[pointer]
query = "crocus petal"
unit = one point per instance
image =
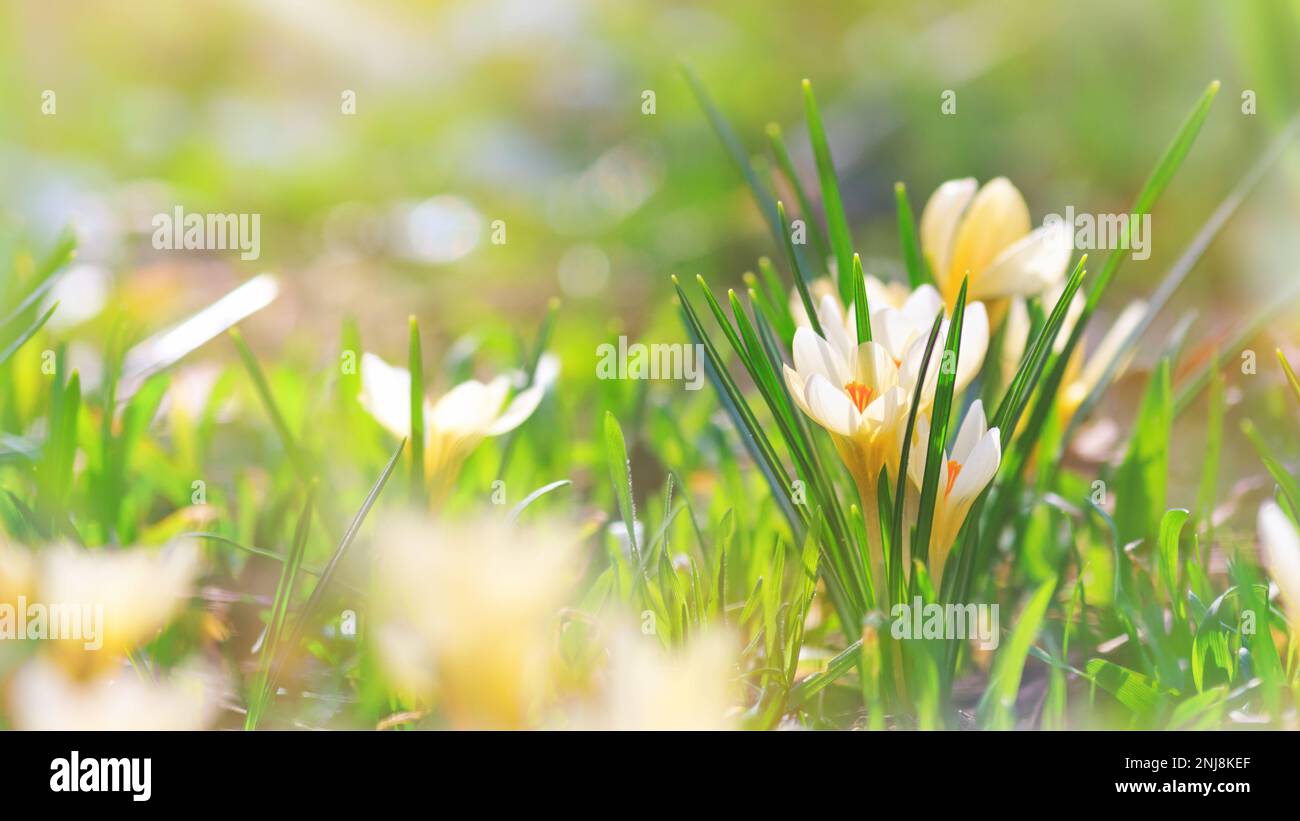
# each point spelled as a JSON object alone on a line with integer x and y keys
{"x": 972, "y": 429}
{"x": 832, "y": 322}
{"x": 469, "y": 408}
{"x": 1280, "y": 540}
{"x": 974, "y": 343}
{"x": 519, "y": 409}
{"x": 979, "y": 468}
{"x": 1028, "y": 266}
{"x": 939, "y": 220}
{"x": 1111, "y": 343}
{"x": 795, "y": 385}
{"x": 1015, "y": 338}
{"x": 891, "y": 328}
{"x": 882, "y": 295}
{"x": 831, "y": 407}
{"x": 386, "y": 394}
{"x": 876, "y": 368}
{"x": 997, "y": 217}
{"x": 812, "y": 354}
{"x": 923, "y": 305}
{"x": 889, "y": 409}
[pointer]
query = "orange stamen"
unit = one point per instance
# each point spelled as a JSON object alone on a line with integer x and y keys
{"x": 954, "y": 467}
{"x": 860, "y": 394}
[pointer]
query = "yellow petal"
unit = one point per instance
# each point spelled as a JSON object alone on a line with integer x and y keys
{"x": 939, "y": 221}
{"x": 997, "y": 217}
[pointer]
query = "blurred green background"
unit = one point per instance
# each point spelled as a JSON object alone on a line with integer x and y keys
{"x": 531, "y": 112}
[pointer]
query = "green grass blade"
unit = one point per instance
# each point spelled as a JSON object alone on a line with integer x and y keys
{"x": 762, "y": 196}
{"x": 1140, "y": 484}
{"x": 997, "y": 707}
{"x": 820, "y": 246}
{"x": 917, "y": 272}
{"x": 939, "y": 420}
{"x": 800, "y": 282}
{"x": 837, "y": 224}
{"x": 261, "y": 693}
{"x": 861, "y": 309}
{"x": 415, "y": 364}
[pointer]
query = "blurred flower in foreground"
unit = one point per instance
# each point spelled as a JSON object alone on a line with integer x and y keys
{"x": 42, "y": 696}
{"x": 108, "y": 603}
{"x": 139, "y": 589}
{"x": 465, "y": 614}
{"x": 984, "y": 233}
{"x": 454, "y": 425}
{"x": 1279, "y": 539}
{"x": 646, "y": 687}
{"x": 17, "y": 572}
{"x": 976, "y": 454}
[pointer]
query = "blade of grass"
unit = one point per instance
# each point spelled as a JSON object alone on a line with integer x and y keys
{"x": 261, "y": 693}
{"x": 837, "y": 224}
{"x": 917, "y": 272}
{"x": 819, "y": 243}
{"x": 940, "y": 414}
{"x": 415, "y": 365}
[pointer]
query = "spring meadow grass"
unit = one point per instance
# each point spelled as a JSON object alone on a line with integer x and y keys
{"x": 834, "y": 495}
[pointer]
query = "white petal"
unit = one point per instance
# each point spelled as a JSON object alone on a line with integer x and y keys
{"x": 997, "y": 218}
{"x": 974, "y": 343}
{"x": 386, "y": 394}
{"x": 923, "y": 305}
{"x": 1280, "y": 541}
{"x": 812, "y": 354}
{"x": 895, "y": 331}
{"x": 889, "y": 409}
{"x": 470, "y": 407}
{"x": 876, "y": 368}
{"x": 972, "y": 429}
{"x": 978, "y": 470}
{"x": 831, "y": 407}
{"x": 1110, "y": 345}
{"x": 833, "y": 326}
{"x": 939, "y": 220}
{"x": 1030, "y": 266}
{"x": 880, "y": 295}
{"x": 519, "y": 409}
{"x": 1015, "y": 338}
{"x": 795, "y": 385}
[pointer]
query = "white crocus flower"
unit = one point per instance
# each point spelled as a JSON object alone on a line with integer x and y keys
{"x": 137, "y": 590}
{"x": 861, "y": 393}
{"x": 647, "y": 687}
{"x": 901, "y": 322}
{"x": 455, "y": 424}
{"x": 984, "y": 233}
{"x": 976, "y": 454}
{"x": 853, "y": 391}
{"x": 1280, "y": 542}
{"x": 42, "y": 696}
{"x": 465, "y": 613}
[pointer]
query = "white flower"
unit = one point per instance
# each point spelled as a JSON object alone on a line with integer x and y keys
{"x": 42, "y": 696}
{"x": 455, "y": 424}
{"x": 646, "y": 687}
{"x": 984, "y": 233}
{"x": 465, "y": 613}
{"x": 1280, "y": 540}
{"x": 976, "y": 454}
{"x": 861, "y": 393}
{"x": 901, "y": 322}
{"x": 139, "y": 590}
